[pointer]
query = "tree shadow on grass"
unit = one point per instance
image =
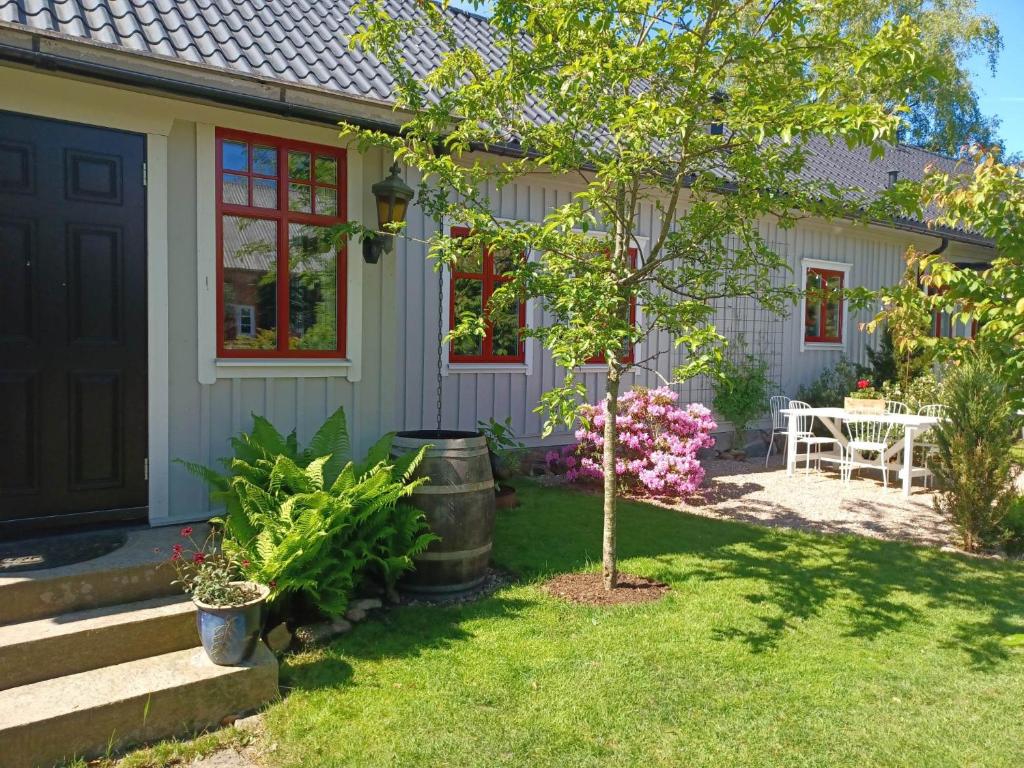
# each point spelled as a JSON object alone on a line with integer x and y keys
{"x": 402, "y": 632}
{"x": 789, "y": 577}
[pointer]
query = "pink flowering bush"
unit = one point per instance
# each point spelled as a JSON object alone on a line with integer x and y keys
{"x": 658, "y": 443}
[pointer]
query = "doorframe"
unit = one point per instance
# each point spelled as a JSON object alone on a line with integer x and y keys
{"x": 158, "y": 325}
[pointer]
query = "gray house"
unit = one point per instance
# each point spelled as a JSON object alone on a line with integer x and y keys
{"x": 165, "y": 169}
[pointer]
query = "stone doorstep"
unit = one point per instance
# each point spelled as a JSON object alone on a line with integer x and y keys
{"x": 130, "y": 574}
{"x": 77, "y": 642}
{"x": 84, "y": 714}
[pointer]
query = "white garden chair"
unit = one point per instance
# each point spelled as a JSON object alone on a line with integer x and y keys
{"x": 776, "y": 403}
{"x": 805, "y": 436}
{"x": 895, "y": 406}
{"x": 867, "y": 436}
{"x": 926, "y": 440}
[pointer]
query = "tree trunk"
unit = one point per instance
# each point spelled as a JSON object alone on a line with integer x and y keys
{"x": 610, "y": 567}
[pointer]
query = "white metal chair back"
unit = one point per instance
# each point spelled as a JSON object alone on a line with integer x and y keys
{"x": 804, "y": 422}
{"x": 865, "y": 431}
{"x": 926, "y": 438}
{"x": 776, "y": 403}
{"x": 935, "y": 411}
{"x": 895, "y": 406}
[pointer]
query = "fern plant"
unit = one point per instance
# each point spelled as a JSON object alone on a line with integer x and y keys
{"x": 312, "y": 523}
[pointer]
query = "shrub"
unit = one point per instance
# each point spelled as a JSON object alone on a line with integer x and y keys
{"x": 1012, "y": 527}
{"x": 310, "y": 522}
{"x": 831, "y": 388}
{"x": 972, "y": 462}
{"x": 741, "y": 394}
{"x": 921, "y": 390}
{"x": 658, "y": 441}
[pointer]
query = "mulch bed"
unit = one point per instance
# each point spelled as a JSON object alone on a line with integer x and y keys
{"x": 588, "y": 589}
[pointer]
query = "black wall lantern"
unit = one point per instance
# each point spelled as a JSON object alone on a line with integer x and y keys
{"x": 393, "y": 196}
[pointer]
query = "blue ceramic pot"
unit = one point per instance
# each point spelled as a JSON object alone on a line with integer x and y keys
{"x": 229, "y": 635}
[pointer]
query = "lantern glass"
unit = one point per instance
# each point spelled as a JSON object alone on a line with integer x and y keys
{"x": 384, "y": 206}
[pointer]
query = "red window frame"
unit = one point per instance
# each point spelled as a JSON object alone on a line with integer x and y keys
{"x": 627, "y": 358}
{"x": 283, "y": 217}
{"x": 821, "y": 337}
{"x": 490, "y": 281}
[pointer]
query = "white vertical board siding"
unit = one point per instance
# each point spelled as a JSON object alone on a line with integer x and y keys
{"x": 469, "y": 397}
{"x": 203, "y": 417}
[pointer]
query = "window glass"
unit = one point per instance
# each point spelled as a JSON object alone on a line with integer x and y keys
{"x": 264, "y": 161}
{"x": 298, "y": 198}
{"x": 250, "y": 279}
{"x": 468, "y": 296}
{"x": 313, "y": 288}
{"x": 235, "y": 189}
{"x": 298, "y": 165}
{"x": 235, "y": 156}
{"x": 505, "y": 330}
{"x": 326, "y": 170}
{"x": 264, "y": 193}
{"x": 326, "y": 201}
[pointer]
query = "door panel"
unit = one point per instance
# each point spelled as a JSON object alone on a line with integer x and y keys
{"x": 72, "y": 322}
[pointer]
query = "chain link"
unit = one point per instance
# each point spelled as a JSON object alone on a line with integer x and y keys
{"x": 440, "y": 338}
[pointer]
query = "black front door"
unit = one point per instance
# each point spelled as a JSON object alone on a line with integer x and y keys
{"x": 72, "y": 323}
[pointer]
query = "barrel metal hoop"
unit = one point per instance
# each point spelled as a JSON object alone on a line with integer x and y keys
{"x": 448, "y": 490}
{"x": 462, "y": 554}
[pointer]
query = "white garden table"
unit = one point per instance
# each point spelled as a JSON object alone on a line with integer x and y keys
{"x": 832, "y": 418}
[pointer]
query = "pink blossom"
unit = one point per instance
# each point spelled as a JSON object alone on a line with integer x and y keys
{"x": 658, "y": 442}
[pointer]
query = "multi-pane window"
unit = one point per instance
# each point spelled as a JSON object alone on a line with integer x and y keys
{"x": 627, "y": 354}
{"x": 281, "y": 271}
{"x": 823, "y": 315}
{"x": 475, "y": 278}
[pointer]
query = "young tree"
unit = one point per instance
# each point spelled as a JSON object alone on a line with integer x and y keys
{"x": 696, "y": 112}
{"x": 986, "y": 197}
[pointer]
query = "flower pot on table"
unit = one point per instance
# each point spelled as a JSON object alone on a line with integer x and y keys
{"x": 864, "y": 405}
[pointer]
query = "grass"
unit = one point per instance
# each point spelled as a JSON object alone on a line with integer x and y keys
{"x": 1018, "y": 452}
{"x": 172, "y": 752}
{"x": 774, "y": 648}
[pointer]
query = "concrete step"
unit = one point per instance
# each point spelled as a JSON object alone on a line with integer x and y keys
{"x": 100, "y": 637}
{"x": 140, "y": 570}
{"x": 85, "y": 714}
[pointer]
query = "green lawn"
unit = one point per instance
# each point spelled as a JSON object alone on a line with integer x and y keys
{"x": 773, "y": 649}
{"x": 1018, "y": 452}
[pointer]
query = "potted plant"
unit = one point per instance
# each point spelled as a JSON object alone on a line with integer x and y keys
{"x": 505, "y": 452}
{"x": 229, "y": 609}
{"x": 865, "y": 399}
{"x": 741, "y": 396}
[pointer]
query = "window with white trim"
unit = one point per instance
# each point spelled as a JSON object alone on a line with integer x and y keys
{"x": 473, "y": 282}
{"x": 824, "y": 307}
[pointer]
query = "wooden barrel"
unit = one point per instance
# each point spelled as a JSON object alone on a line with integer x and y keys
{"x": 459, "y": 504}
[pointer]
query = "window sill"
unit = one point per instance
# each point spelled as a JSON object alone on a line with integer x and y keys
{"x": 452, "y": 368}
{"x": 262, "y": 368}
{"x": 823, "y": 345}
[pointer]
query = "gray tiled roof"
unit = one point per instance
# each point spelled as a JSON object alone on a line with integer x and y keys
{"x": 302, "y": 42}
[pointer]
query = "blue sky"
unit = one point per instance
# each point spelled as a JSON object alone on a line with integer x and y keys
{"x": 1003, "y": 95}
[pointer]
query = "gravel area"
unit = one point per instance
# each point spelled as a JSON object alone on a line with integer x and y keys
{"x": 820, "y": 501}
